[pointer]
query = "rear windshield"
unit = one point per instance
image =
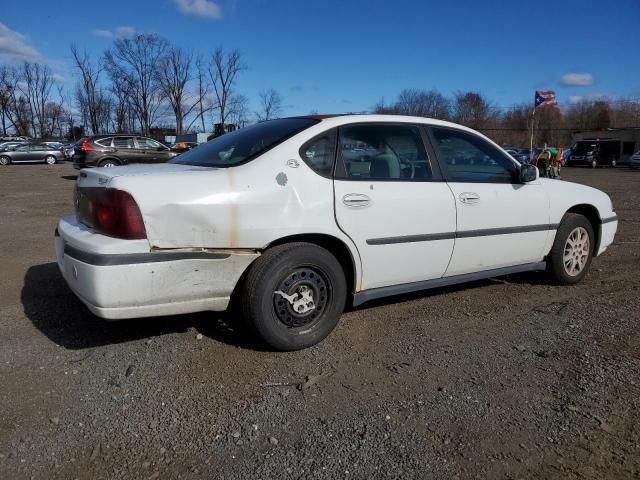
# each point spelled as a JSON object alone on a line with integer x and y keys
{"x": 245, "y": 144}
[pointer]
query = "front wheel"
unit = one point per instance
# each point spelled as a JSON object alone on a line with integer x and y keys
{"x": 4, "y": 160}
{"x": 613, "y": 162}
{"x": 294, "y": 295}
{"x": 50, "y": 160}
{"x": 572, "y": 249}
{"x": 594, "y": 163}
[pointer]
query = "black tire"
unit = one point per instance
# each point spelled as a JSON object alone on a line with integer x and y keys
{"x": 564, "y": 259}
{"x": 50, "y": 160}
{"x": 291, "y": 269}
{"x": 4, "y": 160}
{"x": 109, "y": 162}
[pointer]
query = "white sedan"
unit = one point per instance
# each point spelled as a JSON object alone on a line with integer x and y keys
{"x": 295, "y": 217}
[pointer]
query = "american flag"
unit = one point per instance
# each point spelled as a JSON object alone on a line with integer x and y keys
{"x": 544, "y": 98}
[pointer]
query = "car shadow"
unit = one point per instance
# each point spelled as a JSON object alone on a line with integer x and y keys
{"x": 55, "y": 310}
{"x": 69, "y": 177}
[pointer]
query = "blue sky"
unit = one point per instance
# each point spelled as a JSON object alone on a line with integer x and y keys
{"x": 336, "y": 56}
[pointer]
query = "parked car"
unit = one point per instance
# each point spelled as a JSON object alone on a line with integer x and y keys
{"x": 115, "y": 150}
{"x": 13, "y": 138}
{"x": 634, "y": 161}
{"x": 518, "y": 155}
{"x": 70, "y": 148}
{"x": 292, "y": 222}
{"x": 32, "y": 153}
{"x": 183, "y": 146}
{"x": 594, "y": 153}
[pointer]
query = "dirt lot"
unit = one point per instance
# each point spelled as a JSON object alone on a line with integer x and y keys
{"x": 505, "y": 378}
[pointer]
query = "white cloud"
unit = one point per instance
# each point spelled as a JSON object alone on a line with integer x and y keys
{"x": 577, "y": 79}
{"x": 199, "y": 8}
{"x": 124, "y": 31}
{"x": 14, "y": 47}
{"x": 587, "y": 98}
{"x": 103, "y": 33}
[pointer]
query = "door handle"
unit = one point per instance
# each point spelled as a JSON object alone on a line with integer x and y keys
{"x": 469, "y": 197}
{"x": 356, "y": 200}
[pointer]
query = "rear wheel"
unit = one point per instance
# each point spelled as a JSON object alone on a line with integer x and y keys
{"x": 108, "y": 163}
{"x": 294, "y": 295}
{"x": 50, "y": 160}
{"x": 572, "y": 249}
{"x": 4, "y": 160}
{"x": 613, "y": 162}
{"x": 594, "y": 163}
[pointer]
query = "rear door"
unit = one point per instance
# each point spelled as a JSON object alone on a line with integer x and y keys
{"x": 500, "y": 222}
{"x": 391, "y": 201}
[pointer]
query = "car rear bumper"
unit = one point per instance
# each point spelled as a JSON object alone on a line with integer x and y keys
{"x": 145, "y": 284}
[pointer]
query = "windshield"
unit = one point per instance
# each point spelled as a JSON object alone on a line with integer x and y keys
{"x": 581, "y": 148}
{"x": 245, "y": 144}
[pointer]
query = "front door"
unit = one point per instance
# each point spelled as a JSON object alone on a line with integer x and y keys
{"x": 391, "y": 201}
{"x": 152, "y": 150}
{"x": 500, "y": 221}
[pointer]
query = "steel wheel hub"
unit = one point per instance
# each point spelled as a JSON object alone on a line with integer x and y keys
{"x": 301, "y": 297}
{"x": 576, "y": 251}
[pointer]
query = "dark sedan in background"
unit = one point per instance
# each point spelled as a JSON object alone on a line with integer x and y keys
{"x": 32, "y": 153}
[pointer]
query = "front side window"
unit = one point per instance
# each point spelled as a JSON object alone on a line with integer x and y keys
{"x": 319, "y": 153}
{"x": 466, "y": 157}
{"x": 383, "y": 152}
{"x": 245, "y": 144}
{"x": 23, "y": 148}
{"x": 148, "y": 144}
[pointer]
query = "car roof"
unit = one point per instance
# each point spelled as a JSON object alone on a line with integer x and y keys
{"x": 343, "y": 119}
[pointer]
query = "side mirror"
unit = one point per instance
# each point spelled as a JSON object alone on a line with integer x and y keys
{"x": 528, "y": 173}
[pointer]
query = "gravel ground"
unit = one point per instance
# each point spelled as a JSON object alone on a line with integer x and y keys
{"x": 504, "y": 378}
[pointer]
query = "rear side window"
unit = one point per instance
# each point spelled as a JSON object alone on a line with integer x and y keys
{"x": 105, "y": 142}
{"x": 320, "y": 152}
{"x": 383, "y": 152}
{"x": 122, "y": 143}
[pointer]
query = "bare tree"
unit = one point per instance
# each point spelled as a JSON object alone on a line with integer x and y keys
{"x": 173, "y": 76}
{"x": 135, "y": 61}
{"x": 270, "y": 105}
{"x": 472, "y": 109}
{"x": 8, "y": 89}
{"x": 421, "y": 103}
{"x": 239, "y": 110}
{"x": 90, "y": 92}
{"x": 36, "y": 84}
{"x": 223, "y": 73}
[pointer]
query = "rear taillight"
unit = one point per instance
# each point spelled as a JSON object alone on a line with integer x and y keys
{"x": 85, "y": 145}
{"x": 111, "y": 212}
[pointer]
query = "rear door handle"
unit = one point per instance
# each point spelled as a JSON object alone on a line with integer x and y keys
{"x": 469, "y": 197}
{"x": 356, "y": 200}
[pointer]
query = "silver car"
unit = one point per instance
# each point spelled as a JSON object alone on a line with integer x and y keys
{"x": 32, "y": 153}
{"x": 634, "y": 161}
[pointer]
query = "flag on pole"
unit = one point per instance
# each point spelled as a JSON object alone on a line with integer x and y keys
{"x": 544, "y": 98}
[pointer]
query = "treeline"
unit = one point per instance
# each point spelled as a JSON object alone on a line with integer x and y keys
{"x": 139, "y": 83}
{"x": 144, "y": 82}
{"x": 512, "y": 126}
